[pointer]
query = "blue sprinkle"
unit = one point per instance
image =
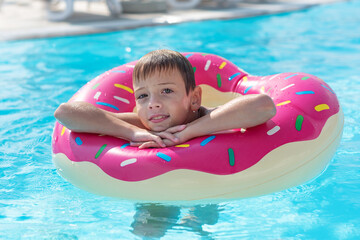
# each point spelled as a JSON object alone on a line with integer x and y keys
{"x": 125, "y": 145}
{"x": 119, "y": 71}
{"x": 327, "y": 88}
{"x": 163, "y": 156}
{"x": 189, "y": 55}
{"x": 246, "y": 90}
{"x": 207, "y": 140}
{"x": 78, "y": 141}
{"x": 305, "y": 92}
{"x": 291, "y": 76}
{"x": 233, "y": 76}
{"x": 108, "y": 105}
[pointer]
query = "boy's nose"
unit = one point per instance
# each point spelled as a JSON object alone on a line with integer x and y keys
{"x": 154, "y": 103}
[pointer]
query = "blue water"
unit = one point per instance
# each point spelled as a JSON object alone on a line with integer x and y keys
{"x": 37, "y": 75}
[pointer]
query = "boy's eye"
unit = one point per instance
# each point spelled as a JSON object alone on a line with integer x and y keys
{"x": 167, "y": 90}
{"x": 141, "y": 96}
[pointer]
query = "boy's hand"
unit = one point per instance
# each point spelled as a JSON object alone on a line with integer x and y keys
{"x": 169, "y": 137}
{"x": 142, "y": 136}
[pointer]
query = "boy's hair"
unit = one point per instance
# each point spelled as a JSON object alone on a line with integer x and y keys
{"x": 164, "y": 60}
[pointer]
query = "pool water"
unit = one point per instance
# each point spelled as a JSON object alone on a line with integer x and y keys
{"x": 37, "y": 75}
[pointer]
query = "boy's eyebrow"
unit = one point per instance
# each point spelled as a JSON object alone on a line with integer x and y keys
{"x": 165, "y": 83}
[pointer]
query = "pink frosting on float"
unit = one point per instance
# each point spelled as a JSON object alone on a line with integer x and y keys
{"x": 304, "y": 103}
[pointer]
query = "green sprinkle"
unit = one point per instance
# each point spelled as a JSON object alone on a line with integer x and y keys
{"x": 299, "y": 122}
{"x": 204, "y": 54}
{"x": 218, "y": 76}
{"x": 305, "y": 78}
{"x": 95, "y": 86}
{"x": 231, "y": 157}
{"x": 194, "y": 69}
{"x": 100, "y": 151}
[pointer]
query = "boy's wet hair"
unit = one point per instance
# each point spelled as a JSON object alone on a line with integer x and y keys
{"x": 162, "y": 61}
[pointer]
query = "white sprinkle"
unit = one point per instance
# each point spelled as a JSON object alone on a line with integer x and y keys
{"x": 274, "y": 76}
{"x": 127, "y": 162}
{"x": 97, "y": 95}
{"x": 273, "y": 130}
{"x": 287, "y": 87}
{"x": 207, "y": 65}
{"x": 130, "y": 66}
{"x": 122, "y": 99}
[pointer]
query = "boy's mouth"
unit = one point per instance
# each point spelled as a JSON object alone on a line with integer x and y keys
{"x": 158, "y": 118}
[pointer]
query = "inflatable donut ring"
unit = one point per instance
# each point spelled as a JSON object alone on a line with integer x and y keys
{"x": 293, "y": 147}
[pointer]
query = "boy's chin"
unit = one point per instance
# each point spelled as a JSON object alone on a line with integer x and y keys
{"x": 158, "y": 128}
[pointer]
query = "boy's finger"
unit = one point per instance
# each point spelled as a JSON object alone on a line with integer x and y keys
{"x": 167, "y": 135}
{"x": 149, "y": 145}
{"x": 175, "y": 129}
{"x": 159, "y": 141}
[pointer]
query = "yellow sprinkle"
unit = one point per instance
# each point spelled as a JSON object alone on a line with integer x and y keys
{"x": 222, "y": 65}
{"x": 262, "y": 89}
{"x": 183, "y": 145}
{"x": 63, "y": 130}
{"x": 244, "y": 79}
{"x": 283, "y": 103}
{"x": 321, "y": 107}
{"x": 124, "y": 87}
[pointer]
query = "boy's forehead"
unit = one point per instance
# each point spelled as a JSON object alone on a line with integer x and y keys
{"x": 164, "y": 77}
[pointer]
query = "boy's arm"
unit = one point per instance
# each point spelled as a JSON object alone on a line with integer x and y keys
{"x": 242, "y": 112}
{"x": 84, "y": 117}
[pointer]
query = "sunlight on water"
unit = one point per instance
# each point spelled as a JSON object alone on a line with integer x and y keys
{"x": 37, "y": 75}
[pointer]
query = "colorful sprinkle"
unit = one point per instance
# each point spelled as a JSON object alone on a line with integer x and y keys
{"x": 100, "y": 151}
{"x": 119, "y": 71}
{"x": 122, "y": 99}
{"x": 290, "y": 76}
{"x": 163, "y": 156}
{"x": 189, "y": 55}
{"x": 231, "y": 157}
{"x": 204, "y": 54}
{"x": 274, "y": 76}
{"x": 262, "y": 89}
{"x": 244, "y": 80}
{"x": 125, "y": 145}
{"x": 63, "y": 130}
{"x": 223, "y": 64}
{"x": 321, "y": 107}
{"x": 247, "y": 89}
{"x": 194, "y": 68}
{"x": 218, "y": 77}
{"x": 208, "y": 62}
{"x": 97, "y": 95}
{"x": 124, "y": 87}
{"x": 108, "y": 105}
{"x": 183, "y": 145}
{"x": 234, "y": 76}
{"x": 207, "y": 140}
{"x": 327, "y": 88}
{"x": 130, "y": 66}
{"x": 299, "y": 122}
{"x": 128, "y": 162}
{"x": 304, "y": 92}
{"x": 283, "y": 103}
{"x": 273, "y": 130}
{"x": 305, "y": 78}
{"x": 95, "y": 86}
{"x": 288, "y": 86}
{"x": 78, "y": 141}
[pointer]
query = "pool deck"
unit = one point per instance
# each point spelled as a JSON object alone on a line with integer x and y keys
{"x": 23, "y": 19}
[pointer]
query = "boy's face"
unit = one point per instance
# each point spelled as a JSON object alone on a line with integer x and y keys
{"x": 162, "y": 102}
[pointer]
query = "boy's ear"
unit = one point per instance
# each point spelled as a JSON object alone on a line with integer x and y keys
{"x": 196, "y": 99}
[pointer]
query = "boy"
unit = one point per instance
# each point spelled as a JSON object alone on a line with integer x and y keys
{"x": 168, "y": 104}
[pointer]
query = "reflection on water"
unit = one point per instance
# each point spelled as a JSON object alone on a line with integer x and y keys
{"x": 154, "y": 220}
